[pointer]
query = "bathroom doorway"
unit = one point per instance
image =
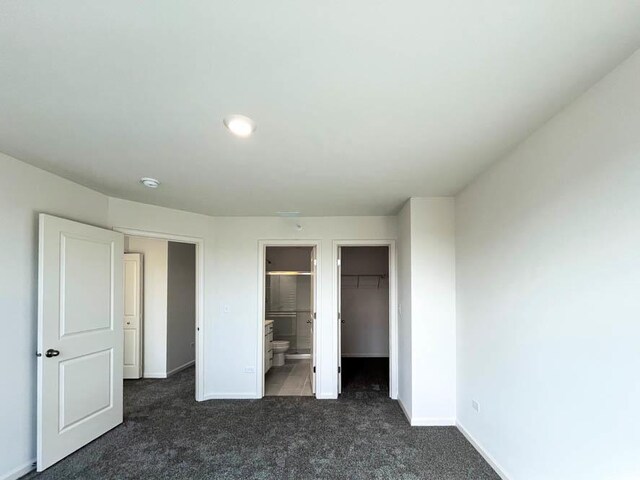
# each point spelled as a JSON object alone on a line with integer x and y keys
{"x": 289, "y": 293}
{"x": 366, "y": 318}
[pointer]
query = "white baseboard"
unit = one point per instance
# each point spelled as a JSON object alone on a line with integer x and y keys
{"x": 326, "y": 396}
{"x": 405, "y": 411}
{"x": 181, "y": 367}
{"x": 486, "y": 455}
{"x": 19, "y": 471}
{"x": 433, "y": 422}
{"x": 231, "y": 396}
{"x": 426, "y": 421}
{"x": 154, "y": 375}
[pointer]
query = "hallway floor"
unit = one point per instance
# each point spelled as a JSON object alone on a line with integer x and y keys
{"x": 364, "y": 435}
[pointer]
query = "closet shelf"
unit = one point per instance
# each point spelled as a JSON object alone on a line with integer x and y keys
{"x": 363, "y": 280}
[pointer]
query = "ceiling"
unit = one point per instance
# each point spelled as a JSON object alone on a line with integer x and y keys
{"x": 358, "y": 104}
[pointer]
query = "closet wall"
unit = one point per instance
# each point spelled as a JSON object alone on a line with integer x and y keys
{"x": 365, "y": 301}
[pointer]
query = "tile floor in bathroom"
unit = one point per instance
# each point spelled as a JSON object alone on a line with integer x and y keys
{"x": 291, "y": 379}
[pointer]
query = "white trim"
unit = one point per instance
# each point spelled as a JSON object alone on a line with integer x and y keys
{"x": 426, "y": 421}
{"x": 393, "y": 304}
{"x": 154, "y": 375}
{"x": 200, "y": 324}
{"x": 20, "y": 471}
{"x": 262, "y": 247}
{"x": 405, "y": 411}
{"x": 433, "y": 422}
{"x": 231, "y": 396}
{"x": 326, "y": 396}
{"x": 365, "y": 355}
{"x": 486, "y": 455}
{"x": 180, "y": 368}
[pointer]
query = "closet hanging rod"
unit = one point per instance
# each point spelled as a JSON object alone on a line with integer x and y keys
{"x": 288, "y": 272}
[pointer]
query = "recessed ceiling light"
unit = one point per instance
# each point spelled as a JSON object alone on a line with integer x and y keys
{"x": 149, "y": 182}
{"x": 240, "y": 125}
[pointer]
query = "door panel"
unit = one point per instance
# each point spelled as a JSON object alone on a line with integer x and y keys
{"x": 132, "y": 326}
{"x": 80, "y": 305}
{"x": 85, "y": 387}
{"x": 130, "y": 349}
{"x": 86, "y": 292}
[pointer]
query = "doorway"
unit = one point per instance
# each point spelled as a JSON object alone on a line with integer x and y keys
{"x": 288, "y": 299}
{"x": 160, "y": 307}
{"x": 366, "y": 317}
{"x": 171, "y": 303}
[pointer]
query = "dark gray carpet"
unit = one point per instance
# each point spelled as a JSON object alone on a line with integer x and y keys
{"x": 363, "y": 435}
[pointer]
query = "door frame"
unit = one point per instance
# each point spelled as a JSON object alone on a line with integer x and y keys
{"x": 393, "y": 306}
{"x": 200, "y": 324}
{"x": 262, "y": 271}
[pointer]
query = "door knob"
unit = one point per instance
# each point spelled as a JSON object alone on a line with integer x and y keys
{"x": 51, "y": 353}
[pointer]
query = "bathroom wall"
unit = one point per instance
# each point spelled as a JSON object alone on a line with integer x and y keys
{"x": 365, "y": 308}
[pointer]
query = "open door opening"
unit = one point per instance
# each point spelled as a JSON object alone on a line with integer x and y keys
{"x": 290, "y": 284}
{"x": 363, "y": 313}
{"x": 160, "y": 309}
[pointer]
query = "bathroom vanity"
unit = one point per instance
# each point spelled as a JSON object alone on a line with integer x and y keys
{"x": 268, "y": 345}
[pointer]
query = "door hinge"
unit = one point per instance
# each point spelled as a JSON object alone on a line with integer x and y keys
{"x": 339, "y": 316}
{"x": 314, "y": 315}
{"x": 339, "y": 369}
{"x": 314, "y": 369}
{"x": 338, "y": 262}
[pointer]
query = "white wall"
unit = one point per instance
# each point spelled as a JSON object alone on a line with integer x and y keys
{"x": 433, "y": 311}
{"x": 549, "y": 294}
{"x": 365, "y": 308}
{"x": 231, "y": 280}
{"x": 155, "y": 262}
{"x": 181, "y": 305}
{"x": 427, "y": 320}
{"x": 26, "y": 191}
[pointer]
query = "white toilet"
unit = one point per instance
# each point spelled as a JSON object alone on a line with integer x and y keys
{"x": 279, "y": 349}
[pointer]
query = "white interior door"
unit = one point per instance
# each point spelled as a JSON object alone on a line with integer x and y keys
{"x": 340, "y": 321}
{"x": 132, "y": 327}
{"x": 80, "y": 310}
{"x": 312, "y": 318}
